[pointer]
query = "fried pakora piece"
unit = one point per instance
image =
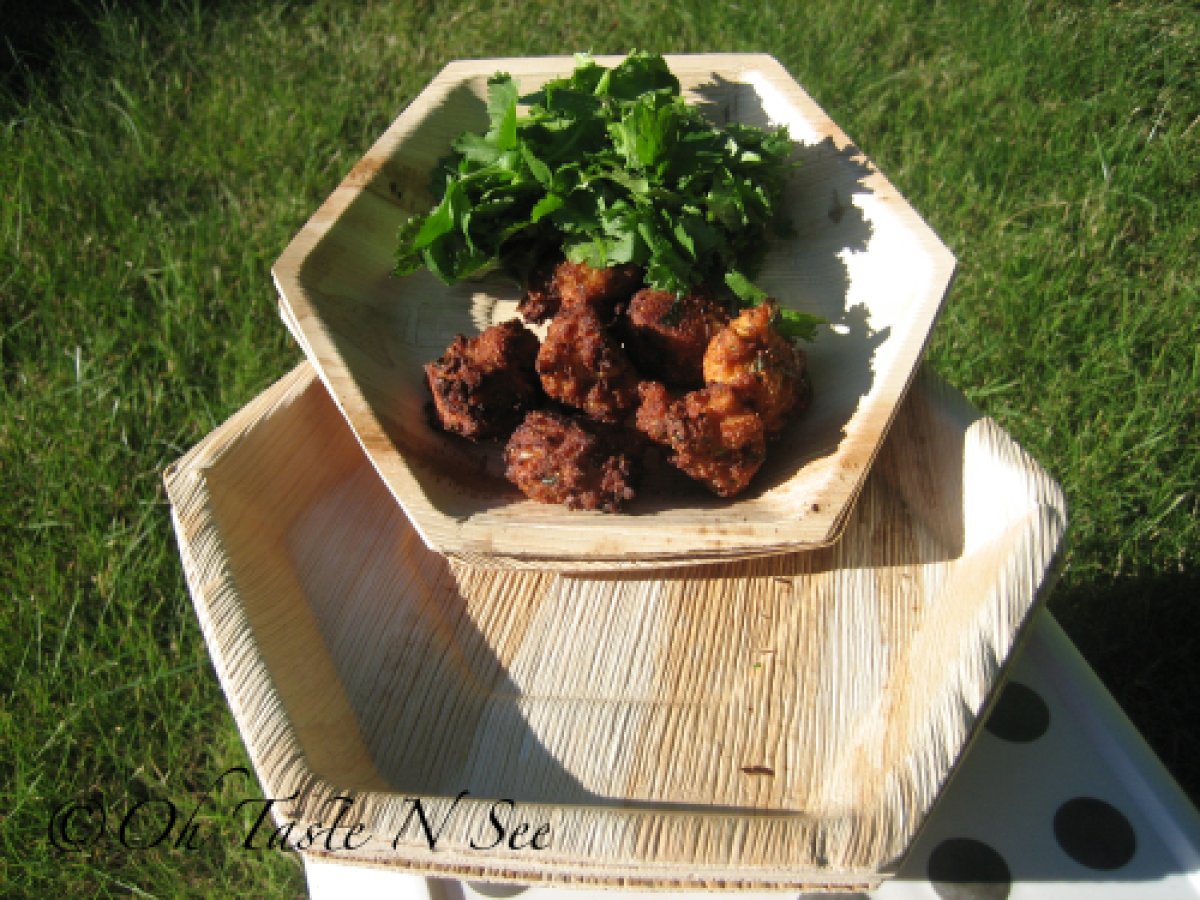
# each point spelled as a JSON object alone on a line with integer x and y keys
{"x": 583, "y": 365}
{"x": 713, "y": 436}
{"x": 562, "y": 284}
{"x": 668, "y": 334}
{"x": 554, "y": 458}
{"x": 766, "y": 369}
{"x": 541, "y": 299}
{"x": 483, "y": 386}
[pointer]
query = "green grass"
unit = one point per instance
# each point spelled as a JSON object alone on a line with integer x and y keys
{"x": 157, "y": 158}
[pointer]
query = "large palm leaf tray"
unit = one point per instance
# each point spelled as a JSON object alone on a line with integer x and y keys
{"x": 781, "y": 722}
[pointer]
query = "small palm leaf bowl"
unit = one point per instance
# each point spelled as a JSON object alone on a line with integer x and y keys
{"x": 859, "y": 256}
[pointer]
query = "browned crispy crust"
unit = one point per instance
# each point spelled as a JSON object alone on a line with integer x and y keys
{"x": 584, "y": 453}
{"x": 483, "y": 386}
{"x": 554, "y": 458}
{"x": 558, "y": 285}
{"x": 713, "y": 436}
{"x": 582, "y": 365}
{"x": 668, "y": 334}
{"x": 541, "y": 299}
{"x": 768, "y": 372}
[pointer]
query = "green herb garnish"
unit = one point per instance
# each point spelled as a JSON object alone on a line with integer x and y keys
{"x": 788, "y": 322}
{"x": 613, "y": 167}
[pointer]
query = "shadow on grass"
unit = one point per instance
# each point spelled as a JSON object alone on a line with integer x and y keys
{"x": 37, "y": 35}
{"x": 1141, "y": 634}
{"x": 37, "y": 31}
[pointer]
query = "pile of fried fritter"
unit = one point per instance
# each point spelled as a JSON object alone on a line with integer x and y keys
{"x": 623, "y": 370}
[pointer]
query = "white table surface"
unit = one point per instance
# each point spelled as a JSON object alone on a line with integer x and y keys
{"x": 1059, "y": 797}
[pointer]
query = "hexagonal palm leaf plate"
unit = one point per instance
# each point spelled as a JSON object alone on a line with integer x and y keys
{"x": 860, "y": 256}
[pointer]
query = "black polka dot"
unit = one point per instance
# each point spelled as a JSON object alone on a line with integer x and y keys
{"x": 1094, "y": 833}
{"x": 966, "y": 869}
{"x": 1020, "y": 714}
{"x": 492, "y": 889}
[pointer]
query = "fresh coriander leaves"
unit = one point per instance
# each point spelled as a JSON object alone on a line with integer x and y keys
{"x": 788, "y": 322}
{"x": 612, "y": 166}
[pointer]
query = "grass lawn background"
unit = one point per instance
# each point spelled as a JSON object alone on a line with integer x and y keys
{"x": 156, "y": 158}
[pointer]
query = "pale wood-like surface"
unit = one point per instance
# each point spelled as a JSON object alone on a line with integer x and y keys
{"x": 861, "y": 257}
{"x": 784, "y": 721}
